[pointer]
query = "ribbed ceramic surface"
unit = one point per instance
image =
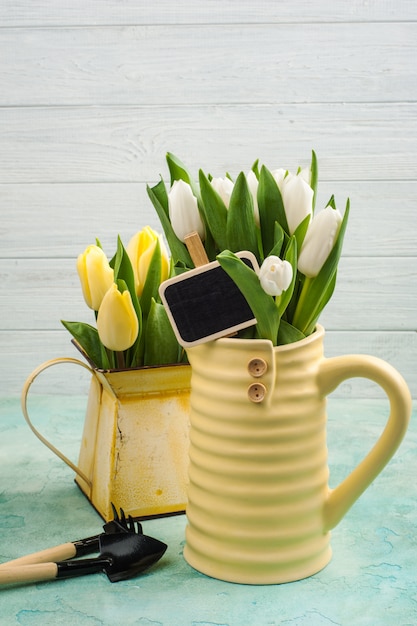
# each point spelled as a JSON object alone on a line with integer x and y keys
{"x": 258, "y": 470}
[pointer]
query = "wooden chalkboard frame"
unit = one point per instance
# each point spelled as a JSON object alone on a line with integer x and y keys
{"x": 206, "y": 299}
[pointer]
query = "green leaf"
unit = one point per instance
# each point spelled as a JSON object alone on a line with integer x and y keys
{"x": 271, "y": 209}
{"x": 121, "y": 285}
{"x": 262, "y": 305}
{"x": 288, "y": 334}
{"x": 134, "y": 355}
{"x": 178, "y": 171}
{"x": 178, "y": 250}
{"x": 255, "y": 168}
{"x": 209, "y": 243}
{"x": 241, "y": 227}
{"x": 153, "y": 280}
{"x": 88, "y": 338}
{"x": 121, "y": 264}
{"x": 279, "y": 240}
{"x": 301, "y": 231}
{"x": 215, "y": 211}
{"x": 123, "y": 271}
{"x": 161, "y": 346}
{"x": 327, "y": 294}
{"x": 290, "y": 256}
{"x": 161, "y": 194}
{"x": 332, "y": 202}
{"x": 179, "y": 268}
{"x": 314, "y": 169}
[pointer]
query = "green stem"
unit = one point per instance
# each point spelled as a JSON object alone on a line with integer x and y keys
{"x": 106, "y": 362}
{"x": 278, "y": 301}
{"x": 120, "y": 357}
{"x": 297, "y": 319}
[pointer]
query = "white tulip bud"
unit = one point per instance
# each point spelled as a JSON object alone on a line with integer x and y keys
{"x": 279, "y": 176}
{"x": 183, "y": 210}
{"x": 275, "y": 275}
{"x": 319, "y": 241}
{"x": 224, "y": 187}
{"x": 253, "y": 185}
{"x": 297, "y": 196}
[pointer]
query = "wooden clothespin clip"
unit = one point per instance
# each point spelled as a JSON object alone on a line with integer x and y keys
{"x": 196, "y": 249}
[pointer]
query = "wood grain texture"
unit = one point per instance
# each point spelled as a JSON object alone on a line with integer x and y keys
{"x": 93, "y": 12}
{"x": 134, "y": 65}
{"x": 67, "y": 217}
{"x": 94, "y": 93}
{"x": 128, "y": 144}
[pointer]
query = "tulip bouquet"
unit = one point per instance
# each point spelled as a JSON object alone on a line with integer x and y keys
{"x": 269, "y": 213}
{"x": 132, "y": 326}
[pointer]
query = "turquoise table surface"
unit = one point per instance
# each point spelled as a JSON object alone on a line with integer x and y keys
{"x": 372, "y": 578}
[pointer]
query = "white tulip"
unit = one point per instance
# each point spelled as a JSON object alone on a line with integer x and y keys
{"x": 224, "y": 188}
{"x": 253, "y": 185}
{"x": 297, "y": 195}
{"x": 183, "y": 210}
{"x": 319, "y": 241}
{"x": 275, "y": 275}
{"x": 279, "y": 176}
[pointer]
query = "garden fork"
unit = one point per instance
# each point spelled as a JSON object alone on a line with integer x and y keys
{"x": 71, "y": 549}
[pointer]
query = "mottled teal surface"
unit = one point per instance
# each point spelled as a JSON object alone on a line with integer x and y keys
{"x": 372, "y": 578}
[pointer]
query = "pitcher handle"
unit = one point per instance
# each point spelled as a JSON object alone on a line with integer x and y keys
{"x": 331, "y": 373}
{"x": 24, "y": 397}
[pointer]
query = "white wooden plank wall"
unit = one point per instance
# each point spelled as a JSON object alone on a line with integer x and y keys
{"x": 93, "y": 93}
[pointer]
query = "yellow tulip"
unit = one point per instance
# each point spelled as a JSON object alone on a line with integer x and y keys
{"x": 117, "y": 322}
{"x": 95, "y": 274}
{"x": 140, "y": 250}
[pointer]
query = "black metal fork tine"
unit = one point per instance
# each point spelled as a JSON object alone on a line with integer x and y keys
{"x": 123, "y": 518}
{"x": 115, "y": 513}
{"x": 127, "y": 524}
{"x": 134, "y": 527}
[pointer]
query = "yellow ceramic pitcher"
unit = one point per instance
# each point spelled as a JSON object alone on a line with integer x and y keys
{"x": 259, "y": 506}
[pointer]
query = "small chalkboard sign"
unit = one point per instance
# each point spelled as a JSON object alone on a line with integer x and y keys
{"x": 205, "y": 303}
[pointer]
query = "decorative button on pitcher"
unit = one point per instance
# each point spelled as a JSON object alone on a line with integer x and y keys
{"x": 259, "y": 506}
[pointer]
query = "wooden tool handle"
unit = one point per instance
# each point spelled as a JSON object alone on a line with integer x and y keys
{"x": 28, "y": 573}
{"x": 57, "y": 553}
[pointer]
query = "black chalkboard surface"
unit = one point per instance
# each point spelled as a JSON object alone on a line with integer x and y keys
{"x": 205, "y": 304}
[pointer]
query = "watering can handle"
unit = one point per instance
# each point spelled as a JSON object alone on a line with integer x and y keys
{"x": 332, "y": 372}
{"x": 24, "y": 397}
